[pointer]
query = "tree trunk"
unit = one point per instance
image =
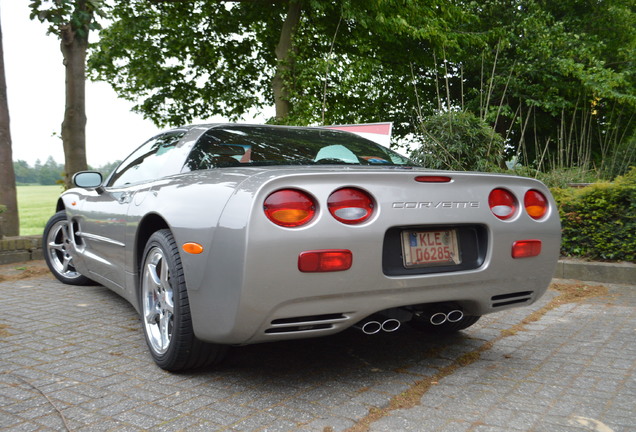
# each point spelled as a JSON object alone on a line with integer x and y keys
{"x": 74, "y": 125}
{"x": 285, "y": 60}
{"x": 9, "y": 221}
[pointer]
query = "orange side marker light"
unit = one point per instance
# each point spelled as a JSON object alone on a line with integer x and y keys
{"x": 192, "y": 248}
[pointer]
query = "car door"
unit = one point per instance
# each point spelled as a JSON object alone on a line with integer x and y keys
{"x": 105, "y": 214}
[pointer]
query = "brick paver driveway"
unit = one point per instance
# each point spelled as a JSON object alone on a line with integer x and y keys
{"x": 73, "y": 358}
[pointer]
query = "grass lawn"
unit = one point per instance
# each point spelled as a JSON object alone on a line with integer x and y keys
{"x": 36, "y": 204}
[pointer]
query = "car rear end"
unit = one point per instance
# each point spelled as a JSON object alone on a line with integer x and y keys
{"x": 322, "y": 249}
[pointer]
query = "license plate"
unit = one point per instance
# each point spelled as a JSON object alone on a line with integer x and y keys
{"x": 430, "y": 248}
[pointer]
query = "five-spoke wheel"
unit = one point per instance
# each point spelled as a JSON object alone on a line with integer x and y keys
{"x": 57, "y": 243}
{"x": 158, "y": 303}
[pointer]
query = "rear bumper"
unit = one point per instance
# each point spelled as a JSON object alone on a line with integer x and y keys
{"x": 281, "y": 305}
{"x": 300, "y": 319}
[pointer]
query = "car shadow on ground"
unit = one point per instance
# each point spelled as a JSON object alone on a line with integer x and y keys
{"x": 346, "y": 355}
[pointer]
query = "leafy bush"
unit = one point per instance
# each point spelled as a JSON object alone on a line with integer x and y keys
{"x": 556, "y": 178}
{"x": 599, "y": 221}
{"x": 564, "y": 177}
{"x": 460, "y": 141}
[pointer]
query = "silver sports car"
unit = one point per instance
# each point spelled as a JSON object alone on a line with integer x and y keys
{"x": 230, "y": 234}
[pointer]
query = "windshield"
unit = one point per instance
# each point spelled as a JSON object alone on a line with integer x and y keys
{"x": 265, "y": 145}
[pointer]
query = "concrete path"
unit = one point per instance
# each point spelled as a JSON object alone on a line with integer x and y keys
{"x": 73, "y": 358}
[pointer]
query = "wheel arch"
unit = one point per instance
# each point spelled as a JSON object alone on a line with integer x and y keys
{"x": 59, "y": 205}
{"x": 150, "y": 224}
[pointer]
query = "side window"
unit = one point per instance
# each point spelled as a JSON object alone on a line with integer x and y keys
{"x": 147, "y": 161}
{"x": 213, "y": 152}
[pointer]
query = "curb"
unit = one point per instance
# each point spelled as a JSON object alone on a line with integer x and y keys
{"x": 19, "y": 249}
{"x": 590, "y": 271}
{"x": 27, "y": 248}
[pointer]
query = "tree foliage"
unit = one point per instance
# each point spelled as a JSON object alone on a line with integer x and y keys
{"x": 555, "y": 79}
{"x": 349, "y": 61}
{"x": 62, "y": 16}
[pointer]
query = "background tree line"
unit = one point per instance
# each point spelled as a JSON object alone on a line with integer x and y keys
{"x": 48, "y": 173}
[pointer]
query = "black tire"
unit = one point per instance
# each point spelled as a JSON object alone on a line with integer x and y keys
{"x": 55, "y": 242}
{"x": 165, "y": 309}
{"x": 424, "y": 324}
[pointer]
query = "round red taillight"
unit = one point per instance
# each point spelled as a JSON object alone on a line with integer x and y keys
{"x": 502, "y": 203}
{"x": 289, "y": 208}
{"x": 350, "y": 205}
{"x": 536, "y": 204}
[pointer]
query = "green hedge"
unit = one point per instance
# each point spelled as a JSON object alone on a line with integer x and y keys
{"x": 599, "y": 221}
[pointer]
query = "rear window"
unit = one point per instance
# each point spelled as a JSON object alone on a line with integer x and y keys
{"x": 229, "y": 146}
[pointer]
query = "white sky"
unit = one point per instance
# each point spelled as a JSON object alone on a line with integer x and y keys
{"x": 35, "y": 90}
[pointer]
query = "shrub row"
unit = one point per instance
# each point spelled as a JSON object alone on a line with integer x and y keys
{"x": 599, "y": 221}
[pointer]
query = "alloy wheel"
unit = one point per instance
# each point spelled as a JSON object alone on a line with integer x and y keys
{"x": 157, "y": 301}
{"x": 57, "y": 248}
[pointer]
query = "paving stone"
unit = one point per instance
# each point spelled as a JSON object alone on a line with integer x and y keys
{"x": 280, "y": 425}
{"x": 331, "y": 424}
{"x": 577, "y": 360}
{"x": 254, "y": 422}
{"x": 298, "y": 416}
{"x": 456, "y": 426}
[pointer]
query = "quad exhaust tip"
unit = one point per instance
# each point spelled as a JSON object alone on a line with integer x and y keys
{"x": 376, "y": 326}
{"x": 391, "y": 325}
{"x": 378, "y": 322}
{"x": 440, "y": 318}
{"x": 371, "y": 327}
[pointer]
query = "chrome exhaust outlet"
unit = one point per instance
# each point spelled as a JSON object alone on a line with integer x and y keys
{"x": 370, "y": 327}
{"x": 438, "y": 318}
{"x": 388, "y": 320}
{"x": 391, "y": 325}
{"x": 454, "y": 316}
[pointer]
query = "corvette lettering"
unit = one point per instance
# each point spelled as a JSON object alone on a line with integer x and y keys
{"x": 435, "y": 204}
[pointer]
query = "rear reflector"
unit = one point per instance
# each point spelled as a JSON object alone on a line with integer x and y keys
{"x": 327, "y": 260}
{"x": 526, "y": 248}
{"x": 432, "y": 179}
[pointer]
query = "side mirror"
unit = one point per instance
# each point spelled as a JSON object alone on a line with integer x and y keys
{"x": 88, "y": 180}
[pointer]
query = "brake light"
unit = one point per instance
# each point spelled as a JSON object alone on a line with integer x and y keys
{"x": 526, "y": 248}
{"x": 432, "y": 179}
{"x": 350, "y": 205}
{"x": 536, "y": 204}
{"x": 289, "y": 208}
{"x": 503, "y": 203}
{"x": 320, "y": 261}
